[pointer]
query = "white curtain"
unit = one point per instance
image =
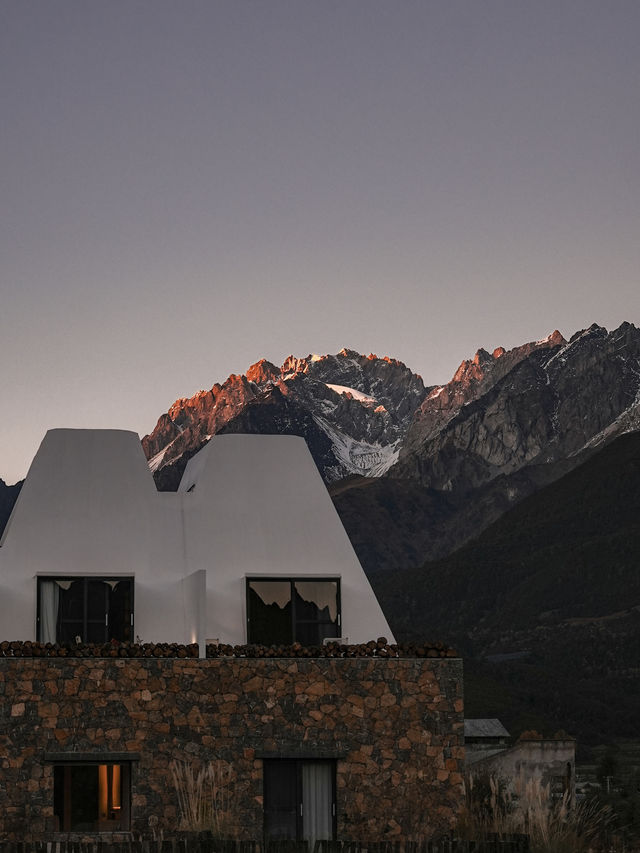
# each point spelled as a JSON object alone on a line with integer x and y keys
{"x": 317, "y": 801}
{"x": 49, "y": 598}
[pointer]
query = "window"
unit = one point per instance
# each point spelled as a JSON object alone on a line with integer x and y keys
{"x": 95, "y": 609}
{"x": 91, "y": 797}
{"x": 287, "y": 610}
{"x": 299, "y": 799}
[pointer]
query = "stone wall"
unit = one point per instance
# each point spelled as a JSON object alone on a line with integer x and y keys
{"x": 394, "y": 727}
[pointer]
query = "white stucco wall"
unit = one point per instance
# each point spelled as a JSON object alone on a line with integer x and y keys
{"x": 259, "y": 507}
{"x": 89, "y": 507}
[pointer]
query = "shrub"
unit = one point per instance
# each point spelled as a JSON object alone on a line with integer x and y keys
{"x": 553, "y": 825}
{"x": 204, "y": 796}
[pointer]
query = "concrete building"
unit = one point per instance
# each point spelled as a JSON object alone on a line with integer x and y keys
{"x": 367, "y": 744}
{"x": 548, "y": 761}
{"x": 249, "y": 549}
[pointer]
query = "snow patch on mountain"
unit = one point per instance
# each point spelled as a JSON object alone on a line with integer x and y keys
{"x": 360, "y": 457}
{"x": 365, "y": 399}
{"x": 156, "y": 461}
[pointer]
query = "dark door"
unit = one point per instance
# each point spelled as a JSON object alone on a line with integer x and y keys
{"x": 299, "y": 799}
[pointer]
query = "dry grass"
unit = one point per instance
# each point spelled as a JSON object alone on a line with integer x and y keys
{"x": 553, "y": 825}
{"x": 557, "y": 826}
{"x": 204, "y": 797}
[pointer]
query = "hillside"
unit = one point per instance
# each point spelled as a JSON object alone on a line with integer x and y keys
{"x": 8, "y": 497}
{"x": 545, "y": 603}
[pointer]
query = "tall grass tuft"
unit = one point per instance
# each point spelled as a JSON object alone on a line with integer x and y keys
{"x": 553, "y": 825}
{"x": 556, "y": 825}
{"x": 204, "y": 797}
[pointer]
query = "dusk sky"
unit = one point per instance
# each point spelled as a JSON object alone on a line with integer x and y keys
{"x": 189, "y": 186}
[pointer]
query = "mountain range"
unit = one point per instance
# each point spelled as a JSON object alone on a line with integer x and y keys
{"x": 353, "y": 410}
{"x": 544, "y": 604}
{"x": 490, "y": 511}
{"x": 415, "y": 471}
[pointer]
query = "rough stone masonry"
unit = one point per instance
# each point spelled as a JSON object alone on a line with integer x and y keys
{"x": 394, "y": 728}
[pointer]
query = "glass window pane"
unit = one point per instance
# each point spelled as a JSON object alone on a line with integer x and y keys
{"x": 84, "y": 797}
{"x": 313, "y": 633}
{"x": 119, "y": 626}
{"x": 49, "y": 603}
{"x": 95, "y": 632}
{"x": 68, "y": 631}
{"x": 298, "y": 799}
{"x": 317, "y": 801}
{"x": 91, "y": 797}
{"x": 269, "y": 612}
{"x": 94, "y": 609}
{"x": 280, "y": 799}
{"x": 97, "y": 597}
{"x": 72, "y": 602}
{"x": 316, "y": 600}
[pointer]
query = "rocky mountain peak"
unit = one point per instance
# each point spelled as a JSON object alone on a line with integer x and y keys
{"x": 263, "y": 371}
{"x": 291, "y": 364}
{"x": 353, "y": 410}
{"x": 350, "y": 353}
{"x": 556, "y": 339}
{"x": 539, "y": 402}
{"x": 364, "y": 414}
{"x": 482, "y": 357}
{"x": 594, "y": 330}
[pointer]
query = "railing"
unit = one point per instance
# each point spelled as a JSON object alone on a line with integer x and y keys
{"x": 205, "y": 843}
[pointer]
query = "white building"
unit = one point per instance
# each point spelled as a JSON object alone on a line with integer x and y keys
{"x": 250, "y": 548}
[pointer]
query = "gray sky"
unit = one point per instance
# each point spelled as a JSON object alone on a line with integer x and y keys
{"x": 190, "y": 186}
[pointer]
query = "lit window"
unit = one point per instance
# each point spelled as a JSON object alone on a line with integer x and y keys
{"x": 91, "y": 797}
{"x": 284, "y": 611}
{"x": 95, "y": 609}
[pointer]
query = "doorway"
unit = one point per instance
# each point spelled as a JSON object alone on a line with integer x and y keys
{"x": 299, "y": 799}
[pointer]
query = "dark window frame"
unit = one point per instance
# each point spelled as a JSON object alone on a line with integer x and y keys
{"x": 297, "y": 764}
{"x": 86, "y": 579}
{"x": 63, "y": 767}
{"x": 292, "y": 580}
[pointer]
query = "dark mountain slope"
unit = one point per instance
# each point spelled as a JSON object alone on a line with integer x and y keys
{"x": 549, "y": 404}
{"x": 507, "y": 424}
{"x": 548, "y": 597}
{"x": 571, "y": 550}
{"x": 8, "y": 497}
{"x": 397, "y": 524}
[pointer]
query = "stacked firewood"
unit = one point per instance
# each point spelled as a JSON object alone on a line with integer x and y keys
{"x": 379, "y": 648}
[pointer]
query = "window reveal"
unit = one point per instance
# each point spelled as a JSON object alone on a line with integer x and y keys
{"x": 299, "y": 800}
{"x": 283, "y": 611}
{"x": 91, "y": 797}
{"x": 95, "y": 609}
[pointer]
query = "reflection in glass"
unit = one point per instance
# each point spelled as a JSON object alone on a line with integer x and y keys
{"x": 286, "y": 611}
{"x": 269, "y": 612}
{"x": 95, "y": 609}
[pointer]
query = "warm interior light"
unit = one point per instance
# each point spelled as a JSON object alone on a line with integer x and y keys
{"x": 103, "y": 791}
{"x": 115, "y": 787}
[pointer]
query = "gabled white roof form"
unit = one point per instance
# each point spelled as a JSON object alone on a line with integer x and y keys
{"x": 258, "y": 506}
{"x": 247, "y": 505}
{"x": 489, "y": 727}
